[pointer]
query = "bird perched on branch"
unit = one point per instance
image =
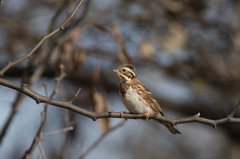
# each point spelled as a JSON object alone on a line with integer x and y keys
{"x": 136, "y": 97}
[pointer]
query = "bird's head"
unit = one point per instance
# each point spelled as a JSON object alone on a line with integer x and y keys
{"x": 125, "y": 72}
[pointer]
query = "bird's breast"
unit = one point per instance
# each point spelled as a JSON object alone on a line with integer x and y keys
{"x": 134, "y": 102}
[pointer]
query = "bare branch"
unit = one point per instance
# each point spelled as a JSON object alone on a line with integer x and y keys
{"x": 41, "y": 99}
{"x": 71, "y": 16}
{"x": 57, "y": 14}
{"x": 75, "y": 95}
{"x": 42, "y": 151}
{"x": 68, "y": 124}
{"x": 59, "y": 131}
{"x": 39, "y": 135}
{"x": 123, "y": 56}
{"x": 36, "y": 74}
{"x": 14, "y": 110}
{"x": 28, "y": 55}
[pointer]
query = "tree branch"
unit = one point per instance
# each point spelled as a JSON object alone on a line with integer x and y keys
{"x": 68, "y": 105}
{"x": 40, "y": 69}
{"x": 28, "y": 55}
{"x": 39, "y": 135}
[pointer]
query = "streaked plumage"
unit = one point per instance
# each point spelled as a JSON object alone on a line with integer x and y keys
{"x": 135, "y": 96}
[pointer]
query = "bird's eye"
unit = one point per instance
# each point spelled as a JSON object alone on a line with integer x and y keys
{"x": 124, "y": 70}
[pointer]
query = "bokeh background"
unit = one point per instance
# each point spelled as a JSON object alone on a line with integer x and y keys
{"x": 185, "y": 51}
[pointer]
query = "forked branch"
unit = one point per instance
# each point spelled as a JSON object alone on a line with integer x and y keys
{"x": 68, "y": 105}
{"x": 29, "y": 55}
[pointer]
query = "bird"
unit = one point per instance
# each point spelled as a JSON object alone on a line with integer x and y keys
{"x": 136, "y": 97}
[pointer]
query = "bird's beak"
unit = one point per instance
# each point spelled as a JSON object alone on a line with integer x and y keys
{"x": 116, "y": 71}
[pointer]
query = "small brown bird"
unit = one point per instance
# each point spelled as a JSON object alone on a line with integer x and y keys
{"x": 136, "y": 97}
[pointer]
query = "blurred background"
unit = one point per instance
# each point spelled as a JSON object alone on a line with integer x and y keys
{"x": 186, "y": 52}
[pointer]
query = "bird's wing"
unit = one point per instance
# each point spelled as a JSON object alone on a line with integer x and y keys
{"x": 150, "y": 97}
{"x": 156, "y": 104}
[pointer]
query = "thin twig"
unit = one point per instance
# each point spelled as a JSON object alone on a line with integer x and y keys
{"x": 42, "y": 151}
{"x": 59, "y": 131}
{"x": 100, "y": 139}
{"x": 57, "y": 14}
{"x": 29, "y": 55}
{"x": 39, "y": 135}
{"x": 45, "y": 89}
{"x": 236, "y": 109}
{"x": 76, "y": 95}
{"x": 80, "y": 18}
{"x": 71, "y": 16}
{"x": 40, "y": 69}
{"x": 119, "y": 39}
{"x": 15, "y": 106}
{"x": 66, "y": 137}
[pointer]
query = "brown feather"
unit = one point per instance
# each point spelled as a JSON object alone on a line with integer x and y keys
{"x": 146, "y": 95}
{"x": 123, "y": 87}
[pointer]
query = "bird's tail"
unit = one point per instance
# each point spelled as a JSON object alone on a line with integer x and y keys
{"x": 170, "y": 127}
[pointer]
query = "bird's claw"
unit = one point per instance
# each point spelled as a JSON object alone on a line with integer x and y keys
{"x": 148, "y": 114}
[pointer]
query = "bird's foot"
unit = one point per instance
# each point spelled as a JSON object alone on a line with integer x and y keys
{"x": 148, "y": 114}
{"x": 121, "y": 114}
